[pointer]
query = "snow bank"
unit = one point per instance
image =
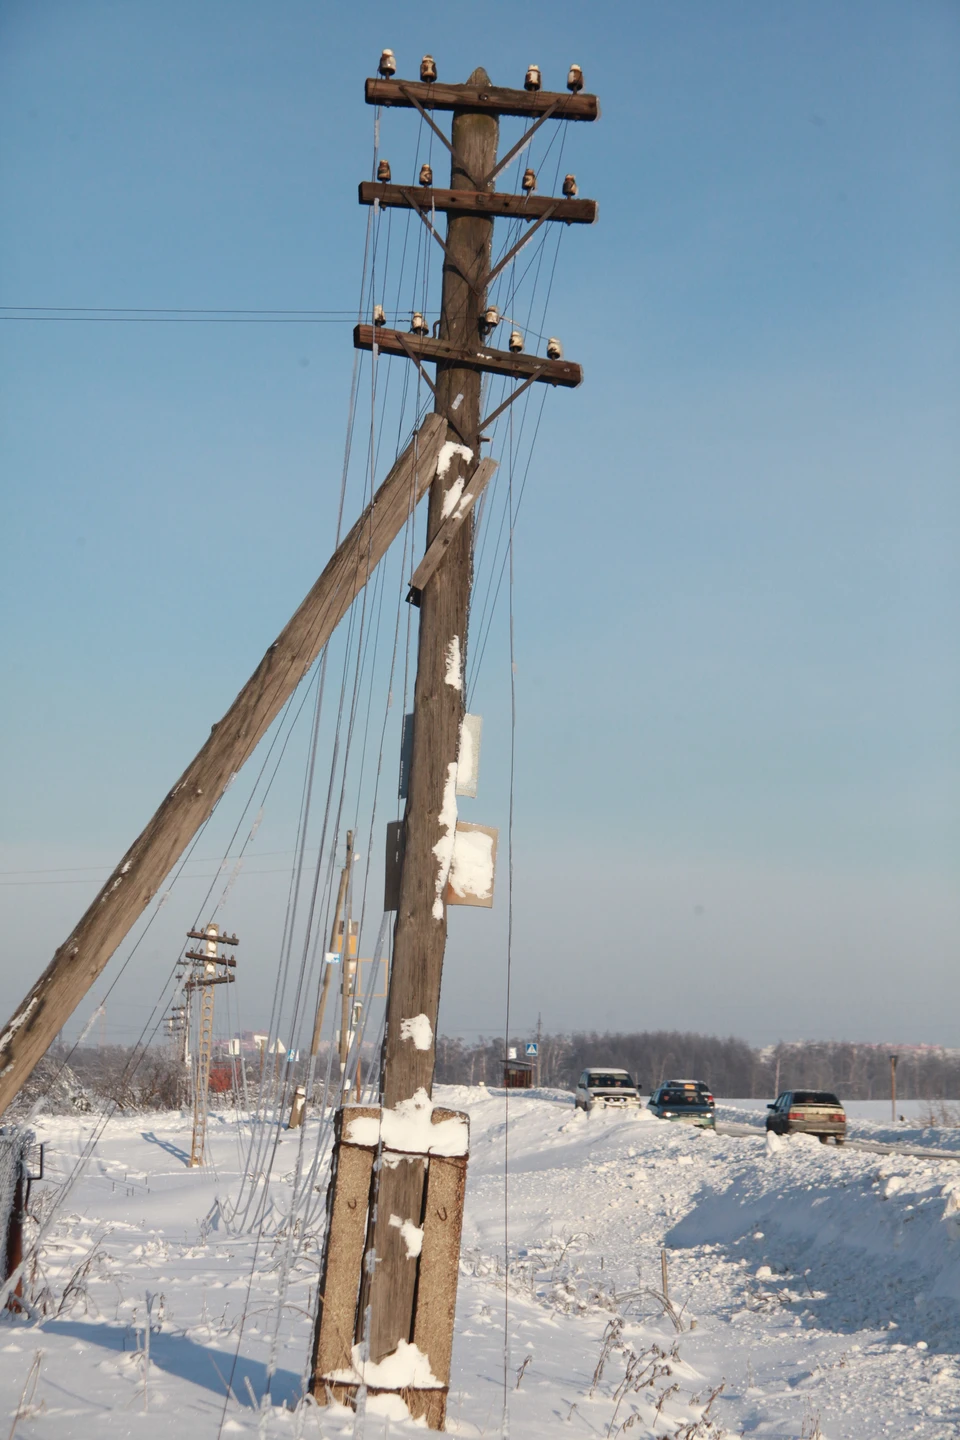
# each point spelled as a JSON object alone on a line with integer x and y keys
{"x": 897, "y": 1210}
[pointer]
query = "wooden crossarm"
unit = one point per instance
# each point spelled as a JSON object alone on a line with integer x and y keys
{"x": 478, "y": 357}
{"x": 488, "y": 99}
{"x": 480, "y": 202}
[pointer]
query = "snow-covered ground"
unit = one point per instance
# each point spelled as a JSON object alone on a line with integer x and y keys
{"x": 819, "y": 1286}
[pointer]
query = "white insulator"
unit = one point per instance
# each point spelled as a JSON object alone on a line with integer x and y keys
{"x": 575, "y": 79}
{"x": 388, "y": 64}
{"x": 426, "y": 175}
{"x": 516, "y": 341}
{"x": 532, "y": 80}
{"x": 418, "y": 325}
{"x": 428, "y": 69}
{"x": 554, "y": 349}
{"x": 489, "y": 320}
{"x": 570, "y": 186}
{"x": 379, "y": 315}
{"x": 529, "y": 181}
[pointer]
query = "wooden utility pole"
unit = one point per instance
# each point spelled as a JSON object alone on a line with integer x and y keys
{"x": 376, "y": 1293}
{"x": 893, "y": 1087}
{"x": 137, "y": 878}
{"x": 300, "y": 1101}
{"x": 421, "y": 924}
{"x": 210, "y": 968}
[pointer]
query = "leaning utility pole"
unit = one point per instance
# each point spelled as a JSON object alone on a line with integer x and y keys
{"x": 81, "y": 958}
{"x": 405, "y": 1256}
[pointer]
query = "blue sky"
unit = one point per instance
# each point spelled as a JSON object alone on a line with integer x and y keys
{"x": 737, "y": 584}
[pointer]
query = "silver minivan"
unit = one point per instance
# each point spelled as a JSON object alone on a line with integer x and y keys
{"x": 610, "y": 1088}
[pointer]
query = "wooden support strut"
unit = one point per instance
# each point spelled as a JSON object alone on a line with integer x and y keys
{"x": 138, "y": 876}
{"x": 445, "y": 536}
{"x": 478, "y": 202}
{"x": 475, "y": 356}
{"x": 482, "y": 99}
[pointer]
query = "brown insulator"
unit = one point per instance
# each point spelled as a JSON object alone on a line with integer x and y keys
{"x": 516, "y": 341}
{"x": 383, "y": 172}
{"x": 554, "y": 349}
{"x": 529, "y": 181}
{"x": 575, "y": 79}
{"x": 426, "y": 175}
{"x": 428, "y": 69}
{"x": 388, "y": 65}
{"x": 532, "y": 79}
{"x": 570, "y": 186}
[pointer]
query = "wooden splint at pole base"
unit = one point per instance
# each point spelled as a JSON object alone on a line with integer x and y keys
{"x": 339, "y": 1327}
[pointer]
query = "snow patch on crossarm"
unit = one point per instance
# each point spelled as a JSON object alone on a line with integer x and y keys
{"x": 410, "y": 1129}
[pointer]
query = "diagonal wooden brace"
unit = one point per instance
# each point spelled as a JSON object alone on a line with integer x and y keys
{"x": 443, "y": 539}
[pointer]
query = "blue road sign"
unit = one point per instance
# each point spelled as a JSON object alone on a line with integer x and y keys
{"x": 531, "y": 1048}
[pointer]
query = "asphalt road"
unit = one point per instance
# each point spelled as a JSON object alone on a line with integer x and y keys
{"x": 879, "y": 1147}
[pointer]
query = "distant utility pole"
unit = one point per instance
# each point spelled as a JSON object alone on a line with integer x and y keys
{"x": 539, "y": 1034}
{"x": 893, "y": 1087}
{"x": 300, "y": 1098}
{"x": 209, "y": 968}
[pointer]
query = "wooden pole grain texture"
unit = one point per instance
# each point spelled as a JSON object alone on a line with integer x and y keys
{"x": 421, "y": 925}
{"x": 138, "y": 876}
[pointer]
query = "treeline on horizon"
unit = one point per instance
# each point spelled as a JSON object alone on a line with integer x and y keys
{"x": 731, "y": 1067}
{"x": 83, "y": 1078}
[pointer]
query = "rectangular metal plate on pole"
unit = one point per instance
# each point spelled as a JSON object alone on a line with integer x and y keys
{"x": 473, "y": 865}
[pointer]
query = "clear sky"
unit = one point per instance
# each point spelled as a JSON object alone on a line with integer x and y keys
{"x": 737, "y": 574}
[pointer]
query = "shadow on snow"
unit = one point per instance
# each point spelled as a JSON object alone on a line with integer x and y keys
{"x": 179, "y": 1355}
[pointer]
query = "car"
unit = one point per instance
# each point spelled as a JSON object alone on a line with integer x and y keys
{"x": 688, "y": 1100}
{"x": 808, "y": 1112}
{"x": 606, "y": 1087}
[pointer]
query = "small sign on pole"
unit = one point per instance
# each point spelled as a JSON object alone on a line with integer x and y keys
{"x": 531, "y": 1049}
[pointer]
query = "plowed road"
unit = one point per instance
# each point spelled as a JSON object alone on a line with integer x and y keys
{"x": 731, "y": 1127}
